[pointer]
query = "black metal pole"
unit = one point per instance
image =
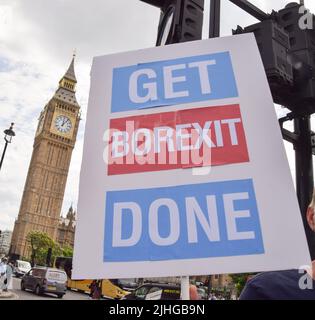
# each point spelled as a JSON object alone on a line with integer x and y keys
{"x": 3, "y": 153}
{"x": 304, "y": 173}
{"x": 209, "y": 286}
{"x": 48, "y": 257}
{"x": 214, "y": 23}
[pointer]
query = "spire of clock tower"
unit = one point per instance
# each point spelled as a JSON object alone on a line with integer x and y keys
{"x": 69, "y": 80}
{"x": 70, "y": 74}
{"x": 67, "y": 85}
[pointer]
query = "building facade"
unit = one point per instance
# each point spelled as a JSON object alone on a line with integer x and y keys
{"x": 5, "y": 241}
{"x": 66, "y": 229}
{"x": 48, "y": 170}
{"x": 218, "y": 283}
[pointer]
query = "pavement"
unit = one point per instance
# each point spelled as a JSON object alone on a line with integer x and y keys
{"x": 9, "y": 295}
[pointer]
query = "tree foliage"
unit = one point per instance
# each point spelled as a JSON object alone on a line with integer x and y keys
{"x": 67, "y": 251}
{"x": 40, "y": 242}
{"x": 240, "y": 280}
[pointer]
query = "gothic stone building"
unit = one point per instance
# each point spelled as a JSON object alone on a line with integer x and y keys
{"x": 66, "y": 229}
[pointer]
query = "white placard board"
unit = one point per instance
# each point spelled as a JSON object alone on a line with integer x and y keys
{"x": 184, "y": 170}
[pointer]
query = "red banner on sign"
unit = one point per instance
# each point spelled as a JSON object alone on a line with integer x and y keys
{"x": 209, "y": 136}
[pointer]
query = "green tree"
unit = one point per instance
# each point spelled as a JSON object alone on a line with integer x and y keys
{"x": 240, "y": 280}
{"x": 67, "y": 251}
{"x": 39, "y": 241}
{"x": 56, "y": 252}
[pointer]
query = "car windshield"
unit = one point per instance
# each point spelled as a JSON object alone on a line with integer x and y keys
{"x": 141, "y": 292}
{"x": 25, "y": 265}
{"x": 56, "y": 275}
{"x": 130, "y": 281}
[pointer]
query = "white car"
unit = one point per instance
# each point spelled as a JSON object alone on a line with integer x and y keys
{"x": 21, "y": 268}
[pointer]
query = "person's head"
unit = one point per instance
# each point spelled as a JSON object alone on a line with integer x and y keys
{"x": 310, "y": 214}
{"x": 4, "y": 260}
{"x": 193, "y": 292}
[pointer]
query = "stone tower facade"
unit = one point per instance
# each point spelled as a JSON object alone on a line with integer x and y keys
{"x": 48, "y": 170}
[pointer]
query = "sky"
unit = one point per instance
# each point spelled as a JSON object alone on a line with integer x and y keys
{"x": 37, "y": 40}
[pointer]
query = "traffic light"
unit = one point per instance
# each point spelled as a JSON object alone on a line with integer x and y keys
{"x": 288, "y": 54}
{"x": 274, "y": 45}
{"x": 302, "y": 42}
{"x": 180, "y": 20}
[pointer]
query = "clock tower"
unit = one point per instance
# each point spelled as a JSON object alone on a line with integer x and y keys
{"x": 48, "y": 170}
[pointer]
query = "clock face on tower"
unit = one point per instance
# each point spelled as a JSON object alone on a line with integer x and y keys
{"x": 63, "y": 124}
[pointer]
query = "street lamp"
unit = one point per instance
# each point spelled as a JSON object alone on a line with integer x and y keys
{"x": 9, "y": 134}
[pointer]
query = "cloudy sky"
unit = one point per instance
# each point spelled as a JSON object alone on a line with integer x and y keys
{"x": 37, "y": 39}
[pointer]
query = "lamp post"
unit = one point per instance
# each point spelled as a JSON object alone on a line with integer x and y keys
{"x": 9, "y": 134}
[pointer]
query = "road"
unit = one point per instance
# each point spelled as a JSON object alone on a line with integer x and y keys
{"x": 28, "y": 295}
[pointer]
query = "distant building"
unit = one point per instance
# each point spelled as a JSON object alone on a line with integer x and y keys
{"x": 66, "y": 229}
{"x": 219, "y": 283}
{"x": 5, "y": 241}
